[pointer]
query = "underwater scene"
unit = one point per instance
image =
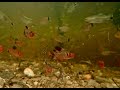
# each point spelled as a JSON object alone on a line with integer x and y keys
{"x": 59, "y": 44}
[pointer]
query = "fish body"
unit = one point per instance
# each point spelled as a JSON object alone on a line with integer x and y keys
{"x": 64, "y": 28}
{"x": 100, "y": 18}
{"x": 101, "y": 64}
{"x": 71, "y": 7}
{"x": 1, "y": 49}
{"x": 86, "y": 62}
{"x": 15, "y": 52}
{"x": 106, "y": 53}
{"x": 28, "y": 33}
{"x": 5, "y": 18}
{"x": 61, "y": 55}
{"x": 26, "y": 20}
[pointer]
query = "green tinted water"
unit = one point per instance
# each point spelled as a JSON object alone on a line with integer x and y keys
{"x": 83, "y": 44}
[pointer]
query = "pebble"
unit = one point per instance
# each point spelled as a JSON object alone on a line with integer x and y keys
{"x": 1, "y": 86}
{"x": 52, "y": 85}
{"x": 54, "y": 79}
{"x": 28, "y": 72}
{"x": 67, "y": 77}
{"x": 106, "y": 85}
{"x": 61, "y": 86}
{"x": 116, "y": 80}
{"x": 87, "y": 77}
{"x": 80, "y": 76}
{"x": 69, "y": 82}
{"x": 16, "y": 86}
{"x": 2, "y": 81}
{"x": 57, "y": 74}
{"x": 114, "y": 85}
{"x": 35, "y": 83}
{"x": 75, "y": 85}
{"x": 82, "y": 83}
{"x": 93, "y": 83}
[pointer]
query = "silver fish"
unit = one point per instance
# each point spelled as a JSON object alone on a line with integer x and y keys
{"x": 4, "y": 18}
{"x": 64, "y": 28}
{"x": 106, "y": 53}
{"x": 100, "y": 18}
{"x": 72, "y": 7}
{"x": 26, "y": 20}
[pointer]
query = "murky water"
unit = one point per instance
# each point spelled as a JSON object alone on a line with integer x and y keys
{"x": 44, "y": 18}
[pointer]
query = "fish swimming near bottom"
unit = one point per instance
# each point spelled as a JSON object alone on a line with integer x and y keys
{"x": 15, "y": 52}
{"x": 1, "y": 49}
{"x": 61, "y": 55}
{"x": 28, "y": 33}
{"x": 106, "y": 53}
{"x": 99, "y": 18}
{"x": 101, "y": 64}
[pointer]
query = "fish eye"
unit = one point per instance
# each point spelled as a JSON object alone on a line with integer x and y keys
{"x": 26, "y": 27}
{"x": 14, "y": 47}
{"x": 58, "y": 48}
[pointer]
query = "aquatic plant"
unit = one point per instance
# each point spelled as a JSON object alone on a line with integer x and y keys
{"x": 116, "y": 18}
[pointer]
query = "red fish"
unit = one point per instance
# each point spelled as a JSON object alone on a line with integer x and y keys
{"x": 101, "y": 64}
{"x": 61, "y": 56}
{"x": 15, "y": 52}
{"x": 1, "y": 49}
{"x": 28, "y": 33}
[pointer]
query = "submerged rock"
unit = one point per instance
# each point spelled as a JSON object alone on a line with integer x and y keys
{"x": 28, "y": 72}
{"x": 87, "y": 76}
{"x": 2, "y": 82}
{"x": 57, "y": 73}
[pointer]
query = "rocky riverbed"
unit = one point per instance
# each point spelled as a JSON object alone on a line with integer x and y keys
{"x": 53, "y": 74}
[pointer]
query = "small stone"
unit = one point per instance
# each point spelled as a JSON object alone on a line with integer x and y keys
{"x": 116, "y": 80}
{"x": 68, "y": 86}
{"x": 69, "y": 82}
{"x": 15, "y": 64}
{"x": 6, "y": 70}
{"x": 75, "y": 82}
{"x": 35, "y": 83}
{"x": 16, "y": 86}
{"x": 93, "y": 83}
{"x": 2, "y": 81}
{"x": 103, "y": 85}
{"x": 54, "y": 79}
{"x": 1, "y": 86}
{"x": 114, "y": 85}
{"x": 82, "y": 83}
{"x": 75, "y": 85}
{"x": 28, "y": 72}
{"x": 57, "y": 74}
{"x": 67, "y": 77}
{"x": 29, "y": 86}
{"x": 52, "y": 85}
{"x": 61, "y": 86}
{"x": 87, "y": 77}
{"x": 80, "y": 76}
